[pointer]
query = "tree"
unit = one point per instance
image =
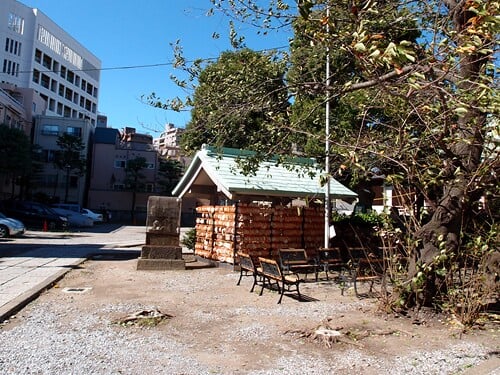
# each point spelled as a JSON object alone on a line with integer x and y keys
{"x": 69, "y": 158}
{"x": 15, "y": 158}
{"x": 423, "y": 111}
{"x": 170, "y": 173}
{"x": 237, "y": 102}
{"x": 134, "y": 179}
{"x": 352, "y": 115}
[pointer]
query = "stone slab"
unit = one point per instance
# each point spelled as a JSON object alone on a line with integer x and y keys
{"x": 160, "y": 264}
{"x": 157, "y": 238}
{"x": 161, "y": 252}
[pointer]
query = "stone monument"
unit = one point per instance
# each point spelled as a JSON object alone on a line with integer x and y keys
{"x": 162, "y": 250}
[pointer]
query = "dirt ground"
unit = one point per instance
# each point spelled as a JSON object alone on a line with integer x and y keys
{"x": 229, "y": 327}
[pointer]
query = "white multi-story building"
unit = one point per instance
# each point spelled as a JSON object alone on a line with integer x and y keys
{"x": 36, "y": 53}
{"x": 168, "y": 143}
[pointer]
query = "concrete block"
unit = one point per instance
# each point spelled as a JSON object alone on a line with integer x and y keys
{"x": 160, "y": 264}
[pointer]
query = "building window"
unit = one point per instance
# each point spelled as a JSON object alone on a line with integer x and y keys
{"x": 59, "y": 108}
{"x": 45, "y": 82}
{"x": 36, "y": 76}
{"x": 118, "y": 187}
{"x": 69, "y": 94}
{"x": 63, "y": 71}
{"x": 16, "y": 23}
{"x": 150, "y": 166}
{"x": 71, "y": 76}
{"x": 47, "y": 61}
{"x": 149, "y": 188}
{"x": 77, "y": 132}
{"x": 48, "y": 156}
{"x": 120, "y": 164}
{"x": 50, "y": 130}
{"x": 38, "y": 56}
{"x": 7, "y": 44}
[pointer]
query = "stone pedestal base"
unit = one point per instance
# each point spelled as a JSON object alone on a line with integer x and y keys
{"x": 160, "y": 264}
{"x": 154, "y": 257}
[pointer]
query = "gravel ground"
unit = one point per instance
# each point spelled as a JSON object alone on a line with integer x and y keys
{"x": 220, "y": 328}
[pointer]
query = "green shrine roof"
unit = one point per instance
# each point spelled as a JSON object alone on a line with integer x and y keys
{"x": 298, "y": 177}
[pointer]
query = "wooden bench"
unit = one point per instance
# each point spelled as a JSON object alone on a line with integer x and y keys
{"x": 271, "y": 271}
{"x": 365, "y": 266}
{"x": 248, "y": 268}
{"x": 297, "y": 261}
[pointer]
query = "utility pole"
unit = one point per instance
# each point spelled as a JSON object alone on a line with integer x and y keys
{"x": 327, "y": 135}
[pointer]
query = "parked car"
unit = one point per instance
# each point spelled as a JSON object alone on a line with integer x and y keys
{"x": 34, "y": 214}
{"x": 10, "y": 227}
{"x": 97, "y": 218}
{"x": 67, "y": 206}
{"x": 75, "y": 219}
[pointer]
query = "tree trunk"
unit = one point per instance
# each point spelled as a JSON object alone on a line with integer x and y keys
{"x": 443, "y": 230}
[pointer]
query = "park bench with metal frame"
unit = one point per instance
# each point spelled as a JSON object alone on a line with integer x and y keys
{"x": 248, "y": 268}
{"x": 330, "y": 260}
{"x": 296, "y": 261}
{"x": 365, "y": 266}
{"x": 272, "y": 274}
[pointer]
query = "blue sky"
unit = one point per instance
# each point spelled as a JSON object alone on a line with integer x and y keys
{"x": 127, "y": 33}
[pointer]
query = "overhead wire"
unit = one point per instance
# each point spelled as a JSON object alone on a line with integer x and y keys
{"x": 142, "y": 66}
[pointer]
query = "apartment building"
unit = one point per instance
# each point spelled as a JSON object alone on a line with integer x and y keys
{"x": 111, "y": 151}
{"x": 49, "y": 85}
{"x": 36, "y": 53}
{"x": 168, "y": 142}
{"x": 60, "y": 185}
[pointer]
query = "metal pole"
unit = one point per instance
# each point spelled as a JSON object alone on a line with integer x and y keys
{"x": 327, "y": 135}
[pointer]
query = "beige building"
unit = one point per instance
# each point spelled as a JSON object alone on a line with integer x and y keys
{"x": 112, "y": 149}
{"x": 52, "y": 181}
{"x": 19, "y": 106}
{"x": 168, "y": 143}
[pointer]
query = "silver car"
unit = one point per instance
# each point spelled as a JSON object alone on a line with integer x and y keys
{"x": 10, "y": 227}
{"x": 74, "y": 218}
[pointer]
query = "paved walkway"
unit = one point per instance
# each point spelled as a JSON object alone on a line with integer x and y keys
{"x": 34, "y": 262}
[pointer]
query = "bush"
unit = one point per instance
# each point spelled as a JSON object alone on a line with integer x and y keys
{"x": 189, "y": 239}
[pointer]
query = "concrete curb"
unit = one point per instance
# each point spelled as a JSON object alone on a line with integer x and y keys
{"x": 18, "y": 303}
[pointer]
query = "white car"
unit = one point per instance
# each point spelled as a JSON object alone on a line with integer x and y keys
{"x": 97, "y": 218}
{"x": 74, "y": 218}
{"x": 10, "y": 227}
